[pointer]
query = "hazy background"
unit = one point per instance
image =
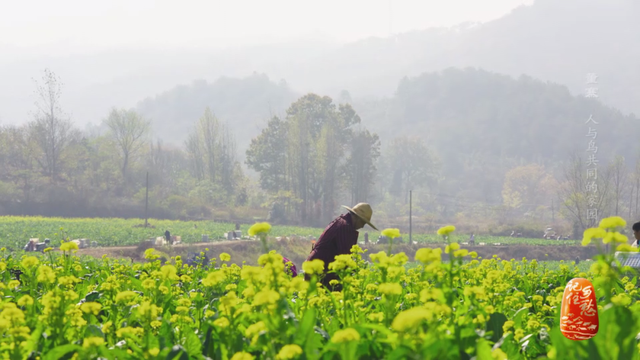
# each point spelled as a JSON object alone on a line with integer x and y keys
{"x": 117, "y": 53}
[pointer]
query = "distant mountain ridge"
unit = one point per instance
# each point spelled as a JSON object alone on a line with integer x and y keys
{"x": 552, "y": 40}
{"x": 243, "y": 104}
{"x": 482, "y": 124}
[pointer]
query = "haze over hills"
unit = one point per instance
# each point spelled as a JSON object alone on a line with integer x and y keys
{"x": 98, "y": 81}
{"x": 557, "y": 41}
{"x": 552, "y": 40}
{"x": 242, "y": 104}
{"x": 482, "y": 124}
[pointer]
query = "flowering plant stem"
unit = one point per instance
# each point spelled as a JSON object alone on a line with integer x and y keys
{"x": 263, "y": 239}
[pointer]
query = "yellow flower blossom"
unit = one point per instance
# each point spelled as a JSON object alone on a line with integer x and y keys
{"x": 93, "y": 341}
{"x": 266, "y": 297}
{"x": 150, "y": 254}
{"x": 91, "y": 307}
{"x": 461, "y": 253}
{"x": 312, "y": 267}
{"x": 411, "y": 319}
{"x": 46, "y": 275}
{"x": 612, "y": 222}
{"x": 446, "y": 230}
{"x": 255, "y": 330}
{"x": 621, "y": 300}
{"x": 592, "y": 233}
{"x": 242, "y": 356}
{"x": 149, "y": 284}
{"x": 68, "y": 246}
{"x": 259, "y": 228}
{"x": 345, "y": 335}
{"x": 184, "y": 302}
{"x": 155, "y": 324}
{"x": 390, "y": 289}
{"x": 214, "y": 278}
{"x": 29, "y": 262}
{"x": 25, "y": 300}
{"x": 126, "y": 297}
{"x": 391, "y": 233}
{"x": 107, "y": 327}
{"x": 222, "y": 322}
{"x": 426, "y": 255}
{"x": 129, "y": 331}
{"x": 519, "y": 334}
{"x": 289, "y": 352}
{"x": 68, "y": 280}
{"x": 376, "y": 317}
{"x": 451, "y": 247}
{"x": 169, "y": 272}
{"x": 342, "y": 262}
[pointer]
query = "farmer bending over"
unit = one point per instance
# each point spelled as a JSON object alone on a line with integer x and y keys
{"x": 339, "y": 237}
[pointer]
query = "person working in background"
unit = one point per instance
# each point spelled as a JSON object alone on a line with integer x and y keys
{"x": 636, "y": 234}
{"x": 167, "y": 236}
{"x": 339, "y": 237}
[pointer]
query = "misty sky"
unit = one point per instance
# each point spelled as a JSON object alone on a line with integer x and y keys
{"x": 74, "y": 25}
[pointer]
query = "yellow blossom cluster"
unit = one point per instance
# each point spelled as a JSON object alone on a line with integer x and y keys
{"x": 389, "y": 305}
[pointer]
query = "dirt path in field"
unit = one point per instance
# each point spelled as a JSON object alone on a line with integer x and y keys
{"x": 137, "y": 252}
{"x": 297, "y": 251}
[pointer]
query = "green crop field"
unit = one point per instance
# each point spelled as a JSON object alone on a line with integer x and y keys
{"x": 16, "y": 231}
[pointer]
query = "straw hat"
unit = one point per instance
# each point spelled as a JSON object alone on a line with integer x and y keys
{"x": 363, "y": 211}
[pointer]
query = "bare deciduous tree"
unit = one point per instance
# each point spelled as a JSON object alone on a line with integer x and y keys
{"x": 574, "y": 194}
{"x": 51, "y": 129}
{"x": 129, "y": 130}
{"x": 619, "y": 179}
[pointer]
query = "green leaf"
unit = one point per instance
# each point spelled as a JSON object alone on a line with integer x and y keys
{"x": 400, "y": 353}
{"x": 92, "y": 296}
{"x": 177, "y": 353}
{"x": 32, "y": 342}
{"x": 207, "y": 345}
{"x": 508, "y": 345}
{"x": 305, "y": 326}
{"x": 61, "y": 352}
{"x": 483, "y": 350}
{"x": 518, "y": 316}
{"x": 93, "y": 330}
{"x": 194, "y": 346}
{"x": 495, "y": 323}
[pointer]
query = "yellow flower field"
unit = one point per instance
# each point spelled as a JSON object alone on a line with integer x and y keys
{"x": 62, "y": 306}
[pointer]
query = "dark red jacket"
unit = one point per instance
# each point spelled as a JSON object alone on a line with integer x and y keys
{"x": 337, "y": 239}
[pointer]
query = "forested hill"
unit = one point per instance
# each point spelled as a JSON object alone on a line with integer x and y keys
{"x": 458, "y": 112}
{"x": 473, "y": 110}
{"x": 244, "y": 104}
{"x": 552, "y": 40}
{"x": 481, "y": 124}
